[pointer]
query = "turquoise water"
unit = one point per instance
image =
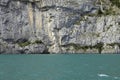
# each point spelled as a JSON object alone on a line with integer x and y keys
{"x": 60, "y": 67}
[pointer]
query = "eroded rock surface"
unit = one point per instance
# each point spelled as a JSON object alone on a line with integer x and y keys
{"x": 59, "y": 26}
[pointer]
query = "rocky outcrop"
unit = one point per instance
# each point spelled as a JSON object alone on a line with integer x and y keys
{"x": 59, "y": 26}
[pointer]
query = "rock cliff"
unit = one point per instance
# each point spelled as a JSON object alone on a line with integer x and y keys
{"x": 59, "y": 26}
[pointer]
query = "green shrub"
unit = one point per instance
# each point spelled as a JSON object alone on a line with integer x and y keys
{"x": 116, "y": 2}
{"x": 113, "y": 44}
{"x": 37, "y": 42}
{"x": 23, "y": 44}
{"x": 98, "y": 46}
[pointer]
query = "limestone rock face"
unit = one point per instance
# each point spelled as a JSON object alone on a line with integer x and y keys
{"x": 59, "y": 26}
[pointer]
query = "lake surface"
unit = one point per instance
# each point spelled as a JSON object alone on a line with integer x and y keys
{"x": 60, "y": 67}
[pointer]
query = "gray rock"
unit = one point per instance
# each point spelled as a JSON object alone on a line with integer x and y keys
{"x": 63, "y": 26}
{"x": 4, "y": 2}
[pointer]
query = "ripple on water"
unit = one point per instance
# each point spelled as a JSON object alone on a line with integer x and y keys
{"x": 103, "y": 75}
{"x": 115, "y": 77}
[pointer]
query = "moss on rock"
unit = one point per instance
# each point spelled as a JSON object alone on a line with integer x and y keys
{"x": 116, "y": 2}
{"x": 26, "y": 43}
{"x": 23, "y": 44}
{"x": 77, "y": 47}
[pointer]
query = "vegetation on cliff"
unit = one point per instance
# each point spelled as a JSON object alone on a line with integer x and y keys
{"x": 116, "y": 2}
